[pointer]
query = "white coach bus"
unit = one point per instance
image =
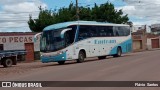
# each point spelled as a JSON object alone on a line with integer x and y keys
{"x": 78, "y": 40}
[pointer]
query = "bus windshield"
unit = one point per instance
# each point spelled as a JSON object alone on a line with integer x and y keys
{"x": 51, "y": 40}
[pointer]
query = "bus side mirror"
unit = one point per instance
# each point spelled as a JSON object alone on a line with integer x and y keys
{"x": 36, "y": 36}
{"x": 63, "y": 32}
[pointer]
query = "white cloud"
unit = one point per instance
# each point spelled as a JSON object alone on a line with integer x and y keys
{"x": 127, "y": 9}
{"x": 15, "y": 14}
{"x": 20, "y": 7}
{"x": 143, "y": 9}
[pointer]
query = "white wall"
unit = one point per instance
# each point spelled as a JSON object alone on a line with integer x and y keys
{"x": 149, "y": 43}
{"x": 17, "y": 42}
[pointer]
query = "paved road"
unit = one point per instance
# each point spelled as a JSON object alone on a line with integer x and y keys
{"x": 140, "y": 66}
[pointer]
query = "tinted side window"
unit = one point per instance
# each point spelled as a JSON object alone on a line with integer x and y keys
{"x": 121, "y": 30}
{"x": 84, "y": 32}
{"x": 105, "y": 31}
{"x": 93, "y": 31}
{"x": 101, "y": 31}
{"x": 126, "y": 31}
{"x": 109, "y": 31}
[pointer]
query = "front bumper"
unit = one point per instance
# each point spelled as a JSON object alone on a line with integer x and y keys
{"x": 59, "y": 57}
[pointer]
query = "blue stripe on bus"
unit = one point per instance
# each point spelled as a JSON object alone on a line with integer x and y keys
{"x": 126, "y": 46}
{"x": 60, "y": 57}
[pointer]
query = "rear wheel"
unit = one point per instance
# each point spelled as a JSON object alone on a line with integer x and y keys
{"x": 119, "y": 52}
{"x": 61, "y": 62}
{"x": 101, "y": 57}
{"x": 7, "y": 62}
{"x": 81, "y": 57}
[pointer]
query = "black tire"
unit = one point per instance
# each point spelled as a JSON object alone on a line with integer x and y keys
{"x": 61, "y": 62}
{"x": 7, "y": 62}
{"x": 81, "y": 57}
{"x": 119, "y": 52}
{"x": 101, "y": 57}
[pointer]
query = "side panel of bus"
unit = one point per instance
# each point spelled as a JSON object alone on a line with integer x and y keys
{"x": 101, "y": 45}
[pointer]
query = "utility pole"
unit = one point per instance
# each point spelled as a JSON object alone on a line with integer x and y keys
{"x": 145, "y": 36}
{"x": 77, "y": 10}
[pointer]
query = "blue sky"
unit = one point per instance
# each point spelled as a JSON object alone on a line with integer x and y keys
{"x": 14, "y": 14}
{"x": 63, "y": 3}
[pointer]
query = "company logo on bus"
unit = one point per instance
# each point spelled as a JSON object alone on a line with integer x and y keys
{"x": 104, "y": 41}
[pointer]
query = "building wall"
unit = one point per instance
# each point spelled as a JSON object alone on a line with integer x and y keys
{"x": 149, "y": 45}
{"x": 150, "y": 42}
{"x": 16, "y": 41}
{"x": 139, "y": 42}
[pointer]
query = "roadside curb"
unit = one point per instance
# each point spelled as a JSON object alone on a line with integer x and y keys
{"x": 146, "y": 50}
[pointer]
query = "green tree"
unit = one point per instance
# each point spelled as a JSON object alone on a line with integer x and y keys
{"x": 45, "y": 18}
{"x": 103, "y": 13}
{"x": 85, "y": 13}
{"x": 107, "y": 13}
{"x": 66, "y": 14}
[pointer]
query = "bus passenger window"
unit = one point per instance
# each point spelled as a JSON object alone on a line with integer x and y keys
{"x": 105, "y": 31}
{"x": 121, "y": 31}
{"x": 83, "y": 33}
{"x": 93, "y": 31}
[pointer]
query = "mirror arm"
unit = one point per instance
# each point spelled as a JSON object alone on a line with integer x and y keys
{"x": 35, "y": 36}
{"x": 65, "y": 30}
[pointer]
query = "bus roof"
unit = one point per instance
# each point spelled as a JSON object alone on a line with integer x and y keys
{"x": 66, "y": 24}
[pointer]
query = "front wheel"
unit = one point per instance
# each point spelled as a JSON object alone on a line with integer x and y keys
{"x": 61, "y": 62}
{"x": 119, "y": 52}
{"x": 81, "y": 57}
{"x": 7, "y": 62}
